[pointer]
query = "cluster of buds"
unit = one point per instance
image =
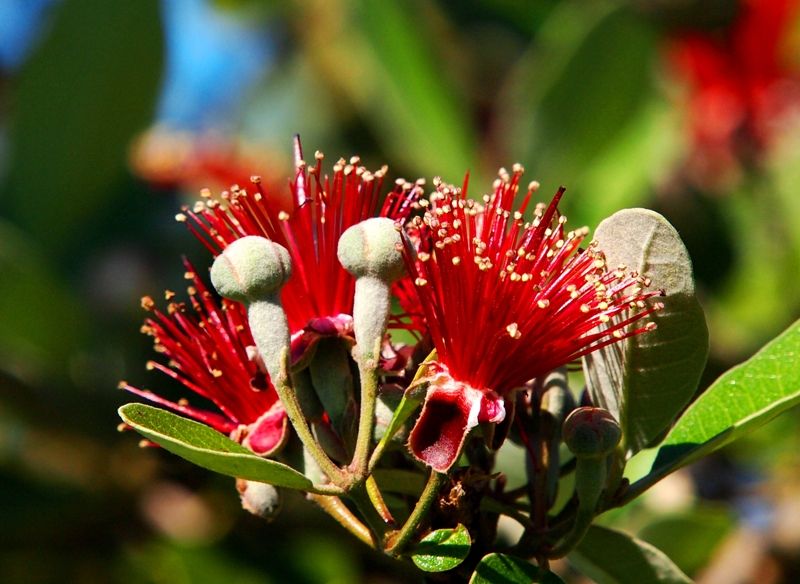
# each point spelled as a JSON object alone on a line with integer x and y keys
{"x": 496, "y": 293}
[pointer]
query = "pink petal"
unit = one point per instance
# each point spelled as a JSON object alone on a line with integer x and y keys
{"x": 269, "y": 432}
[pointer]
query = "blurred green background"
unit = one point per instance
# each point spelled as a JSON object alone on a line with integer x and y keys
{"x": 114, "y": 114}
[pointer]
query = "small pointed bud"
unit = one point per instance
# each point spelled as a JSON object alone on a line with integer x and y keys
{"x": 251, "y": 268}
{"x": 591, "y": 432}
{"x": 372, "y": 248}
{"x": 260, "y": 499}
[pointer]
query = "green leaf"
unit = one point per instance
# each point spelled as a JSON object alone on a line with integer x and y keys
{"x": 442, "y": 550}
{"x": 505, "y": 569}
{"x": 741, "y": 400}
{"x": 40, "y": 341}
{"x": 393, "y": 480}
{"x": 77, "y": 104}
{"x": 612, "y": 557}
{"x": 406, "y": 91}
{"x": 632, "y": 162}
{"x": 206, "y": 447}
{"x": 646, "y": 381}
{"x": 706, "y": 527}
{"x": 583, "y": 81}
{"x": 333, "y": 383}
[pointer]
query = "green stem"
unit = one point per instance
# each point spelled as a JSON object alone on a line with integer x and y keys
{"x": 590, "y": 480}
{"x": 270, "y": 330}
{"x": 360, "y": 497}
{"x": 371, "y": 306}
{"x": 368, "y": 372}
{"x": 283, "y": 386}
{"x": 583, "y": 520}
{"x": 400, "y": 539}
{"x": 326, "y": 490}
{"x": 408, "y": 406}
{"x": 334, "y": 507}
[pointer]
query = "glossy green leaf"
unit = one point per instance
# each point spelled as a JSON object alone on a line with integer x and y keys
{"x": 646, "y": 381}
{"x": 206, "y": 447}
{"x": 442, "y": 550}
{"x": 741, "y": 400}
{"x": 613, "y": 557}
{"x": 506, "y": 569}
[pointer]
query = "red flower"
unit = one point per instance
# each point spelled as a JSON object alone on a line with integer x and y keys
{"x": 210, "y": 351}
{"x": 318, "y": 299}
{"x": 742, "y": 82}
{"x": 505, "y": 302}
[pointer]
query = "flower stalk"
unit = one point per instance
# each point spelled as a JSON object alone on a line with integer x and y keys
{"x": 398, "y": 541}
{"x": 252, "y": 270}
{"x": 370, "y": 251}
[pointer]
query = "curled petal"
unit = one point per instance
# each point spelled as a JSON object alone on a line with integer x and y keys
{"x": 267, "y": 434}
{"x": 448, "y": 415}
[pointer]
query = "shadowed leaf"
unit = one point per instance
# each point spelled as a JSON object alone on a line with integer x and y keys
{"x": 646, "y": 381}
{"x": 505, "y": 569}
{"x": 612, "y": 557}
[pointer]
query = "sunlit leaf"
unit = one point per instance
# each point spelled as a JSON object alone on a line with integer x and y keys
{"x": 741, "y": 400}
{"x": 206, "y": 447}
{"x": 646, "y": 381}
{"x": 442, "y": 550}
{"x": 612, "y": 557}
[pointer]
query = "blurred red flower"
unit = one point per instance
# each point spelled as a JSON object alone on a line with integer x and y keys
{"x": 742, "y": 80}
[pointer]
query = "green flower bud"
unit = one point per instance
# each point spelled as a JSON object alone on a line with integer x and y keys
{"x": 251, "y": 268}
{"x": 372, "y": 248}
{"x": 260, "y": 499}
{"x": 591, "y": 432}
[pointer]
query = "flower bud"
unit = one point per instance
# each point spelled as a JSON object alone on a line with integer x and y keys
{"x": 591, "y": 432}
{"x": 372, "y": 248}
{"x": 251, "y": 268}
{"x": 260, "y": 499}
